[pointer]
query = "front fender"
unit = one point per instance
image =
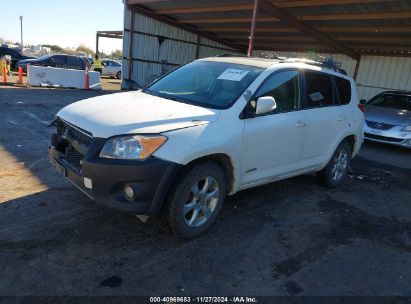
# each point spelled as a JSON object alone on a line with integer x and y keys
{"x": 187, "y": 145}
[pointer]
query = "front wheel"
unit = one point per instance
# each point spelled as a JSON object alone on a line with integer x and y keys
{"x": 196, "y": 200}
{"x": 336, "y": 170}
{"x": 118, "y": 75}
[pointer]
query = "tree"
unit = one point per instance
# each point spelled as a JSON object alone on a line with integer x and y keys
{"x": 54, "y": 48}
{"x": 117, "y": 54}
{"x": 84, "y": 49}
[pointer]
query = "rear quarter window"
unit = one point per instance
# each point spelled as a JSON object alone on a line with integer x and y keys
{"x": 320, "y": 91}
{"x": 343, "y": 89}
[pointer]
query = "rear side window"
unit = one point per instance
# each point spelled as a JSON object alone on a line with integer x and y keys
{"x": 59, "y": 59}
{"x": 344, "y": 90}
{"x": 284, "y": 87}
{"x": 74, "y": 62}
{"x": 319, "y": 89}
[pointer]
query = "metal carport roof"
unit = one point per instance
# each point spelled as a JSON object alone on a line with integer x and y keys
{"x": 351, "y": 27}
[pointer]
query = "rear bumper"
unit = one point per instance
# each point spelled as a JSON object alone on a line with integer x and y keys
{"x": 103, "y": 180}
{"x": 393, "y": 136}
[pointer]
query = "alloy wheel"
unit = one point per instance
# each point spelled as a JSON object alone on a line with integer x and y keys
{"x": 201, "y": 201}
{"x": 340, "y": 165}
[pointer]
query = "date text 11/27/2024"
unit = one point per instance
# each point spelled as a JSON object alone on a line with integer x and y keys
{"x": 203, "y": 300}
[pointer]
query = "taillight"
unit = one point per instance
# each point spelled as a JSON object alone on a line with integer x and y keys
{"x": 361, "y": 107}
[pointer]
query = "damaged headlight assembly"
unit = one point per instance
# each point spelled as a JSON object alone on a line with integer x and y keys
{"x": 133, "y": 147}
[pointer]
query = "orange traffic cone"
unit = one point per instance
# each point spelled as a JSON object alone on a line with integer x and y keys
{"x": 4, "y": 74}
{"x": 20, "y": 75}
{"x": 86, "y": 80}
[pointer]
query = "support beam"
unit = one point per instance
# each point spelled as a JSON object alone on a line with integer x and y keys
{"x": 173, "y": 22}
{"x": 247, "y": 29}
{"x": 107, "y": 34}
{"x": 328, "y": 29}
{"x": 357, "y": 66}
{"x": 197, "y": 55}
{"x": 305, "y": 3}
{"x": 271, "y": 38}
{"x": 356, "y": 16}
{"x": 227, "y": 20}
{"x": 273, "y": 10}
{"x": 252, "y": 33}
{"x": 365, "y": 29}
{"x": 130, "y": 45}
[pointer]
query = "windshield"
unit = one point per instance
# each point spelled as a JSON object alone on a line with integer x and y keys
{"x": 205, "y": 83}
{"x": 394, "y": 101}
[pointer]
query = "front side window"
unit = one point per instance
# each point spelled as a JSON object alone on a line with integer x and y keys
{"x": 206, "y": 83}
{"x": 284, "y": 87}
{"x": 393, "y": 101}
{"x": 319, "y": 89}
{"x": 344, "y": 90}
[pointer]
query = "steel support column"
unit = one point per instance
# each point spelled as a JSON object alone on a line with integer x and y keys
{"x": 130, "y": 44}
{"x": 197, "y": 47}
{"x": 357, "y": 66}
{"x": 252, "y": 32}
{"x": 97, "y": 40}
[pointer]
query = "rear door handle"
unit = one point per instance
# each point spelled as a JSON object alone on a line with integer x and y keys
{"x": 300, "y": 124}
{"x": 341, "y": 118}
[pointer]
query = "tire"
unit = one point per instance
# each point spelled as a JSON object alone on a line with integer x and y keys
{"x": 193, "y": 205}
{"x": 336, "y": 170}
{"x": 118, "y": 75}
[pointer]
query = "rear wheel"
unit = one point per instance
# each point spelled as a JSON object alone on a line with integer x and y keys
{"x": 118, "y": 75}
{"x": 196, "y": 200}
{"x": 336, "y": 170}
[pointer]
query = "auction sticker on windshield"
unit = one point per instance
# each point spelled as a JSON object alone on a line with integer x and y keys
{"x": 233, "y": 74}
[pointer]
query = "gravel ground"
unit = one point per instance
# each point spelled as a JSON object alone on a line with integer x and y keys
{"x": 293, "y": 237}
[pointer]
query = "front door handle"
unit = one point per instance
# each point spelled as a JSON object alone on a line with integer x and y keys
{"x": 300, "y": 124}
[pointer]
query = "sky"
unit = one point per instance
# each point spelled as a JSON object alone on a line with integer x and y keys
{"x": 67, "y": 23}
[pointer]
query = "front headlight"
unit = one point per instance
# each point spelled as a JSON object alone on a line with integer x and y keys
{"x": 406, "y": 129}
{"x": 132, "y": 147}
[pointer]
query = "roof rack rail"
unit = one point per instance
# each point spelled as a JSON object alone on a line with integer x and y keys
{"x": 231, "y": 55}
{"x": 329, "y": 63}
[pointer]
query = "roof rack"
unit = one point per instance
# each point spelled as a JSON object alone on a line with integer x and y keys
{"x": 231, "y": 55}
{"x": 320, "y": 61}
{"x": 329, "y": 63}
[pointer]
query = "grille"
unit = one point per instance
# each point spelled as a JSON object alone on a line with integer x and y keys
{"x": 75, "y": 134}
{"x": 73, "y": 157}
{"x": 71, "y": 134}
{"x": 379, "y": 125}
{"x": 383, "y": 138}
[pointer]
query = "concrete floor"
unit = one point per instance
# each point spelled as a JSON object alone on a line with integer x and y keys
{"x": 293, "y": 237}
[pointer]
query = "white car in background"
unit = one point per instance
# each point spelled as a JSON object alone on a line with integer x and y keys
{"x": 209, "y": 129}
{"x": 111, "y": 68}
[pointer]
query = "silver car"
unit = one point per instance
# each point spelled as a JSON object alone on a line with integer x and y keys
{"x": 388, "y": 118}
{"x": 111, "y": 68}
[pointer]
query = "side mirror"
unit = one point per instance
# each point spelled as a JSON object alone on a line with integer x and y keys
{"x": 363, "y": 101}
{"x": 265, "y": 105}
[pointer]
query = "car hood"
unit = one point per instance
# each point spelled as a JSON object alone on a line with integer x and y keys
{"x": 132, "y": 113}
{"x": 388, "y": 115}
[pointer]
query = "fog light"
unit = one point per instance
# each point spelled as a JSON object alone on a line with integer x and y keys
{"x": 88, "y": 183}
{"x": 129, "y": 192}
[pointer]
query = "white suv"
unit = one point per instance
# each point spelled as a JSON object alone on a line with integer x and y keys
{"x": 209, "y": 129}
